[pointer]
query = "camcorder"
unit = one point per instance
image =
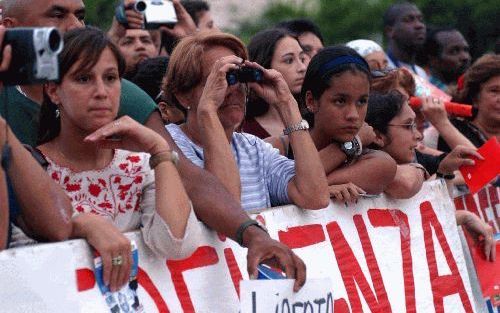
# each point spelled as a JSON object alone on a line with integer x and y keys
{"x": 156, "y": 13}
{"x": 244, "y": 75}
{"x": 35, "y": 54}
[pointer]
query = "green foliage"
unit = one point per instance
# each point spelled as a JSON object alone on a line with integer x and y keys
{"x": 344, "y": 20}
{"x": 99, "y": 13}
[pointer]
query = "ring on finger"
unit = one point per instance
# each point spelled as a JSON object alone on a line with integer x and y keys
{"x": 117, "y": 260}
{"x": 116, "y": 123}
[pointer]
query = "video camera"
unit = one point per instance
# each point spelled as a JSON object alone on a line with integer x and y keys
{"x": 156, "y": 13}
{"x": 34, "y": 55}
{"x": 244, "y": 75}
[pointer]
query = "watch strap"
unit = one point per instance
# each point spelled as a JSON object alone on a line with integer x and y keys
{"x": 241, "y": 229}
{"x": 445, "y": 176}
{"x": 158, "y": 158}
{"x": 302, "y": 125}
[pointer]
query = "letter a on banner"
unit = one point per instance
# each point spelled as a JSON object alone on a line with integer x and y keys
{"x": 442, "y": 285}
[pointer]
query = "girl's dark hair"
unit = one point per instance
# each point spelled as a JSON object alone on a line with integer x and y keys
{"x": 261, "y": 50}
{"x": 323, "y": 67}
{"x": 382, "y": 108}
{"x": 83, "y": 45}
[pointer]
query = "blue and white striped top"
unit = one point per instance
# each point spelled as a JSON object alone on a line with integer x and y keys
{"x": 264, "y": 173}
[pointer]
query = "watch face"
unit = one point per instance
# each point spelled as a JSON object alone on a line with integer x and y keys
{"x": 348, "y": 145}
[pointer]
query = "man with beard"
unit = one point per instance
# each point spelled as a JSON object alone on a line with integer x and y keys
{"x": 448, "y": 57}
{"x": 405, "y": 29}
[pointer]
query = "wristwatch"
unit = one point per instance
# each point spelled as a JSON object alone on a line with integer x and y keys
{"x": 169, "y": 155}
{"x": 302, "y": 125}
{"x": 351, "y": 148}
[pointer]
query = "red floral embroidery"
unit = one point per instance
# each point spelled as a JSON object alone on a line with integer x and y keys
{"x": 114, "y": 192}
{"x": 134, "y": 158}
{"x": 73, "y": 187}
{"x": 102, "y": 182}
{"x": 94, "y": 190}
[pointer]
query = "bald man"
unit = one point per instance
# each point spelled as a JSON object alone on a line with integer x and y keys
{"x": 213, "y": 203}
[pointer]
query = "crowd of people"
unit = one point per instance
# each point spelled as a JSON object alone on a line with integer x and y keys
{"x": 144, "y": 131}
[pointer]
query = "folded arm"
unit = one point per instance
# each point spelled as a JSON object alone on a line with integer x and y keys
{"x": 407, "y": 182}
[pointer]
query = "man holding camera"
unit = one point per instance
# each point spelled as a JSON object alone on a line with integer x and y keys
{"x": 212, "y": 202}
{"x": 35, "y": 202}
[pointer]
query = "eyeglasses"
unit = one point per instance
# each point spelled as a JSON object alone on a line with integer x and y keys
{"x": 409, "y": 126}
{"x": 382, "y": 73}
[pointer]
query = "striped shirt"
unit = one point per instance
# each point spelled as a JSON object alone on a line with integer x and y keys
{"x": 264, "y": 173}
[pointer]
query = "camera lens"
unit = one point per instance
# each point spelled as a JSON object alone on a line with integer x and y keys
{"x": 140, "y": 6}
{"x": 55, "y": 41}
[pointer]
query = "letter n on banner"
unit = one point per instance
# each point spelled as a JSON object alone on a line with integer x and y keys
{"x": 352, "y": 273}
{"x": 443, "y": 285}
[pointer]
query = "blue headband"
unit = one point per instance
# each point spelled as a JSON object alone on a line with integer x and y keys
{"x": 346, "y": 59}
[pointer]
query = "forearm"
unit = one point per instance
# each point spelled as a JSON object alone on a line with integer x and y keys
{"x": 4, "y": 210}
{"x": 172, "y": 202}
{"x": 332, "y": 157}
{"x": 309, "y": 188}
{"x": 218, "y": 157}
{"x": 310, "y": 178}
{"x": 45, "y": 207}
{"x": 81, "y": 225}
{"x": 213, "y": 204}
{"x": 372, "y": 172}
{"x": 407, "y": 182}
{"x": 452, "y": 136}
{"x": 461, "y": 216}
{"x": 116, "y": 31}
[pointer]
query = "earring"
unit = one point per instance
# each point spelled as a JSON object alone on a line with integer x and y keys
{"x": 58, "y": 113}
{"x": 188, "y": 107}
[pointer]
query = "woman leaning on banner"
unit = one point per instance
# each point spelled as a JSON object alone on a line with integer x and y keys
{"x": 334, "y": 100}
{"x": 396, "y": 133}
{"x": 119, "y": 175}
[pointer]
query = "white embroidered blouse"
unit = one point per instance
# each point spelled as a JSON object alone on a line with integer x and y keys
{"x": 124, "y": 193}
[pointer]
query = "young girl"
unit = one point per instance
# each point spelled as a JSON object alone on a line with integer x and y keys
{"x": 279, "y": 50}
{"x": 90, "y": 154}
{"x": 335, "y": 97}
{"x": 396, "y": 133}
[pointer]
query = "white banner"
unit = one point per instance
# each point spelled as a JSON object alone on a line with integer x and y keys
{"x": 381, "y": 255}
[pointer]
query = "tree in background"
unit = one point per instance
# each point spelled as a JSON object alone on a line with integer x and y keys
{"x": 344, "y": 20}
{"x": 99, "y": 13}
